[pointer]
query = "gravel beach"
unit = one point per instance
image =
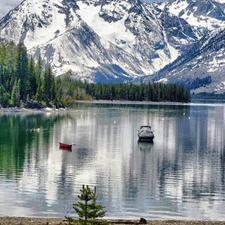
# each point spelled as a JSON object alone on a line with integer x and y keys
{"x": 62, "y": 221}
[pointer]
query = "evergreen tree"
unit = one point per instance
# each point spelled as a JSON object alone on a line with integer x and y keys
{"x": 58, "y": 93}
{"x": 87, "y": 208}
{"x": 22, "y": 69}
{"x": 48, "y": 85}
{"x": 32, "y": 80}
{"x": 15, "y": 95}
{"x": 4, "y": 97}
{"x": 38, "y": 71}
{"x": 69, "y": 86}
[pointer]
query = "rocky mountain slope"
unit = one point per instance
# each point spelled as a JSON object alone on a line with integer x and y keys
{"x": 120, "y": 40}
{"x": 201, "y": 69}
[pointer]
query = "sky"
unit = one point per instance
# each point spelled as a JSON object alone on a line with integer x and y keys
{"x": 6, "y": 5}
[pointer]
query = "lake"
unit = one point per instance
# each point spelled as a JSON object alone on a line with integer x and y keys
{"x": 181, "y": 175}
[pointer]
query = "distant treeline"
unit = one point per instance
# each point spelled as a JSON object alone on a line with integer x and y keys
{"x": 138, "y": 92}
{"x": 198, "y": 82}
{"x": 24, "y": 82}
{"x": 205, "y": 95}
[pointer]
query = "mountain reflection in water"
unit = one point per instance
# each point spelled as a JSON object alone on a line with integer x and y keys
{"x": 178, "y": 176}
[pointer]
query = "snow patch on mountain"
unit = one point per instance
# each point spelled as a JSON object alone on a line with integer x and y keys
{"x": 202, "y": 14}
{"x": 175, "y": 8}
{"x": 115, "y": 32}
{"x": 220, "y": 1}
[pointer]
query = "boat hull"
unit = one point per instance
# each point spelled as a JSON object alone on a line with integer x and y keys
{"x": 146, "y": 138}
{"x": 64, "y": 146}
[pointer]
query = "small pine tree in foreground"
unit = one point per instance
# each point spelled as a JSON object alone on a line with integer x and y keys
{"x": 87, "y": 208}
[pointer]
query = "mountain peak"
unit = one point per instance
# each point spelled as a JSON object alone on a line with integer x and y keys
{"x": 207, "y": 14}
{"x": 38, "y": 21}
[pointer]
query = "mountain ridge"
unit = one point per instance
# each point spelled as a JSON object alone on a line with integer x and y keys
{"x": 115, "y": 41}
{"x": 198, "y": 66}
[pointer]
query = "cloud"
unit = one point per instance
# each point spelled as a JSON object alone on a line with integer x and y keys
{"x": 7, "y": 5}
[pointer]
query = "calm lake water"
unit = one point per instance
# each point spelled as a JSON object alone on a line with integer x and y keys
{"x": 181, "y": 175}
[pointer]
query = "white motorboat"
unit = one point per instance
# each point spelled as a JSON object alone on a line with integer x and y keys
{"x": 145, "y": 133}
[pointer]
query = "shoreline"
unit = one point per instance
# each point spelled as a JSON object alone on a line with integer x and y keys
{"x": 129, "y": 102}
{"x": 6, "y": 220}
{"x": 107, "y": 102}
{"x": 22, "y": 109}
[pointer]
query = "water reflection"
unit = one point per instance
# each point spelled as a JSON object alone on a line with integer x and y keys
{"x": 145, "y": 145}
{"x": 178, "y": 176}
{"x": 20, "y": 133}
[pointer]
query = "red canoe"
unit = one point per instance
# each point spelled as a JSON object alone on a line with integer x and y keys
{"x": 65, "y": 146}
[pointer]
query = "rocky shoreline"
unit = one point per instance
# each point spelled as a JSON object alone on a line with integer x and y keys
{"x": 63, "y": 221}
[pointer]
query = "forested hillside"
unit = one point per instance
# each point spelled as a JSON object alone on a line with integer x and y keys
{"x": 26, "y": 83}
{"x": 23, "y": 80}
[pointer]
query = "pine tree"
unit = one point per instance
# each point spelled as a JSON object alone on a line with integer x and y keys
{"x": 22, "y": 69}
{"x": 15, "y": 95}
{"x": 58, "y": 92}
{"x": 4, "y": 97}
{"x": 39, "y": 90}
{"x": 32, "y": 80}
{"x": 48, "y": 85}
{"x": 87, "y": 208}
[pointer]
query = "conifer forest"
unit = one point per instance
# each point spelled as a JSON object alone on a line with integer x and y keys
{"x": 27, "y": 83}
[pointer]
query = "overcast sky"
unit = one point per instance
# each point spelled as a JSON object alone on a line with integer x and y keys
{"x": 6, "y": 5}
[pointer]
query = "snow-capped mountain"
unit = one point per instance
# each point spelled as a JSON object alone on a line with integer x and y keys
{"x": 202, "y": 68}
{"x": 112, "y": 40}
{"x": 99, "y": 40}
